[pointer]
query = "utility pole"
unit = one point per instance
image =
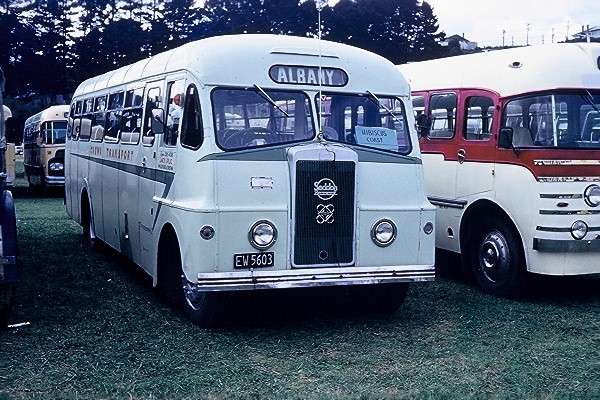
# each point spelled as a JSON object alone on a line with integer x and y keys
{"x": 587, "y": 33}
{"x": 552, "y": 35}
{"x": 503, "y": 36}
{"x": 568, "y": 29}
{"x": 512, "y": 40}
{"x": 528, "y": 27}
{"x": 543, "y": 39}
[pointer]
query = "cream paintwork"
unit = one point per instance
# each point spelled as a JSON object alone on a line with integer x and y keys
{"x": 218, "y": 193}
{"x": 513, "y": 188}
{"x": 37, "y": 157}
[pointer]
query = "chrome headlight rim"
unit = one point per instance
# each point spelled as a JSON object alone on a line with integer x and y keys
{"x": 587, "y": 195}
{"x": 259, "y": 246}
{"x": 583, "y": 225}
{"x": 374, "y": 237}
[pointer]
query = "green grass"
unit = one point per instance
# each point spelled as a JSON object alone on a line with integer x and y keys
{"x": 99, "y": 331}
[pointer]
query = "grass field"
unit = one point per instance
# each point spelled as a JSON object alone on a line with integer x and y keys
{"x": 99, "y": 331}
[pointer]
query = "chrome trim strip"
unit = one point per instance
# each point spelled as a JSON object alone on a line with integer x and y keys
{"x": 568, "y": 179}
{"x": 555, "y": 229}
{"x": 561, "y": 196}
{"x": 566, "y": 246}
{"x": 569, "y": 212}
{"x": 566, "y": 162}
{"x": 441, "y": 202}
{"x": 313, "y": 277}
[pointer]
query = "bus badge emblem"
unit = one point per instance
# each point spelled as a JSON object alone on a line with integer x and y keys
{"x": 325, "y": 213}
{"x": 325, "y": 189}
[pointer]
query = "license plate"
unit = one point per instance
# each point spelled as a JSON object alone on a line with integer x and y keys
{"x": 253, "y": 260}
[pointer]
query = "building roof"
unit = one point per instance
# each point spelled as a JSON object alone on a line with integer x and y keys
{"x": 244, "y": 60}
{"x": 512, "y": 71}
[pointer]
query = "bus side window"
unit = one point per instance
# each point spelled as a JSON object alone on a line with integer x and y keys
{"x": 478, "y": 118}
{"x": 113, "y": 117}
{"x": 152, "y": 110}
{"x": 71, "y": 118}
{"x": 86, "y": 120}
{"x": 77, "y": 120}
{"x": 192, "y": 133}
{"x": 418, "y": 103}
{"x": 174, "y": 112}
{"x": 99, "y": 119}
{"x": 442, "y": 112}
{"x": 131, "y": 120}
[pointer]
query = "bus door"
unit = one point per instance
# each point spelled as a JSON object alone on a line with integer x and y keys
{"x": 441, "y": 153}
{"x": 478, "y": 121}
{"x": 152, "y": 129}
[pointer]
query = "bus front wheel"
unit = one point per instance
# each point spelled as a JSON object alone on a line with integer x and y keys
{"x": 497, "y": 258}
{"x": 202, "y": 309}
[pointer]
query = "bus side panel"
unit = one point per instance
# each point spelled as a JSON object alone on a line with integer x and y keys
{"x": 95, "y": 188}
{"x": 110, "y": 197}
{"x": 129, "y": 202}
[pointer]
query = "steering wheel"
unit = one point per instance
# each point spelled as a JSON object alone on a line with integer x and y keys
{"x": 244, "y": 136}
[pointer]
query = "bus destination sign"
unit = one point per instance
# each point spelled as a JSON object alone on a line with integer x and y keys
{"x": 305, "y": 75}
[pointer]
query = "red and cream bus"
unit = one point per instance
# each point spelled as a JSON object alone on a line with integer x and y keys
{"x": 511, "y": 153}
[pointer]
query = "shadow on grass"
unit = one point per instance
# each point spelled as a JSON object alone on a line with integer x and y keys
{"x": 26, "y": 192}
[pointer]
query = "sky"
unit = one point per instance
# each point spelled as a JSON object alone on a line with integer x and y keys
{"x": 482, "y": 21}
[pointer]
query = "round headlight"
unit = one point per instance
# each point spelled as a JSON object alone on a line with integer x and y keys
{"x": 56, "y": 166}
{"x": 383, "y": 232}
{"x": 592, "y": 195}
{"x": 579, "y": 229}
{"x": 262, "y": 235}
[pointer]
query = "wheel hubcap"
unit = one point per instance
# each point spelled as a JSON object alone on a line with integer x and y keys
{"x": 494, "y": 257}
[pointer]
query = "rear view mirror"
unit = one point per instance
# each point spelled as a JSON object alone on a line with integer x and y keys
{"x": 423, "y": 125}
{"x": 505, "y": 140}
{"x": 158, "y": 121}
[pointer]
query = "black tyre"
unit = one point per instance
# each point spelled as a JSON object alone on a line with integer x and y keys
{"x": 496, "y": 258}
{"x": 379, "y": 299}
{"x": 6, "y": 296}
{"x": 203, "y": 309}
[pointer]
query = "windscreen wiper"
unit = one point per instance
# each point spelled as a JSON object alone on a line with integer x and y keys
{"x": 590, "y": 100}
{"x": 377, "y": 101}
{"x": 270, "y": 100}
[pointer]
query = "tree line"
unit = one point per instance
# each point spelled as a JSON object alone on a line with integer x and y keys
{"x": 49, "y": 46}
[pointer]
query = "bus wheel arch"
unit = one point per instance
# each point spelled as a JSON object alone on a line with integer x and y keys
{"x": 86, "y": 217}
{"x": 492, "y": 249}
{"x": 202, "y": 308}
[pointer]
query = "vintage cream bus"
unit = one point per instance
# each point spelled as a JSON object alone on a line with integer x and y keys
{"x": 8, "y": 226}
{"x": 206, "y": 167}
{"x": 511, "y": 151}
{"x": 44, "y": 146}
{"x": 9, "y": 153}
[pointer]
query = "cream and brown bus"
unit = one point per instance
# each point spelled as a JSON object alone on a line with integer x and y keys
{"x": 44, "y": 142}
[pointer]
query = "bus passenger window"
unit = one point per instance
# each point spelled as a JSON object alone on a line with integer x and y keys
{"x": 71, "y": 117}
{"x": 442, "y": 112}
{"x": 191, "y": 130}
{"x": 478, "y": 118}
{"x": 113, "y": 117}
{"x": 99, "y": 119}
{"x": 174, "y": 112}
{"x": 86, "y": 120}
{"x": 153, "y": 105}
{"x": 131, "y": 118}
{"x": 77, "y": 121}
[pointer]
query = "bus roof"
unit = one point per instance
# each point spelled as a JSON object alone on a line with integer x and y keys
{"x": 512, "y": 71}
{"x": 244, "y": 60}
{"x": 51, "y": 113}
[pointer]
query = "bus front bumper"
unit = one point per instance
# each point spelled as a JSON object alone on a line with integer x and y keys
{"x": 54, "y": 180}
{"x": 308, "y": 277}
